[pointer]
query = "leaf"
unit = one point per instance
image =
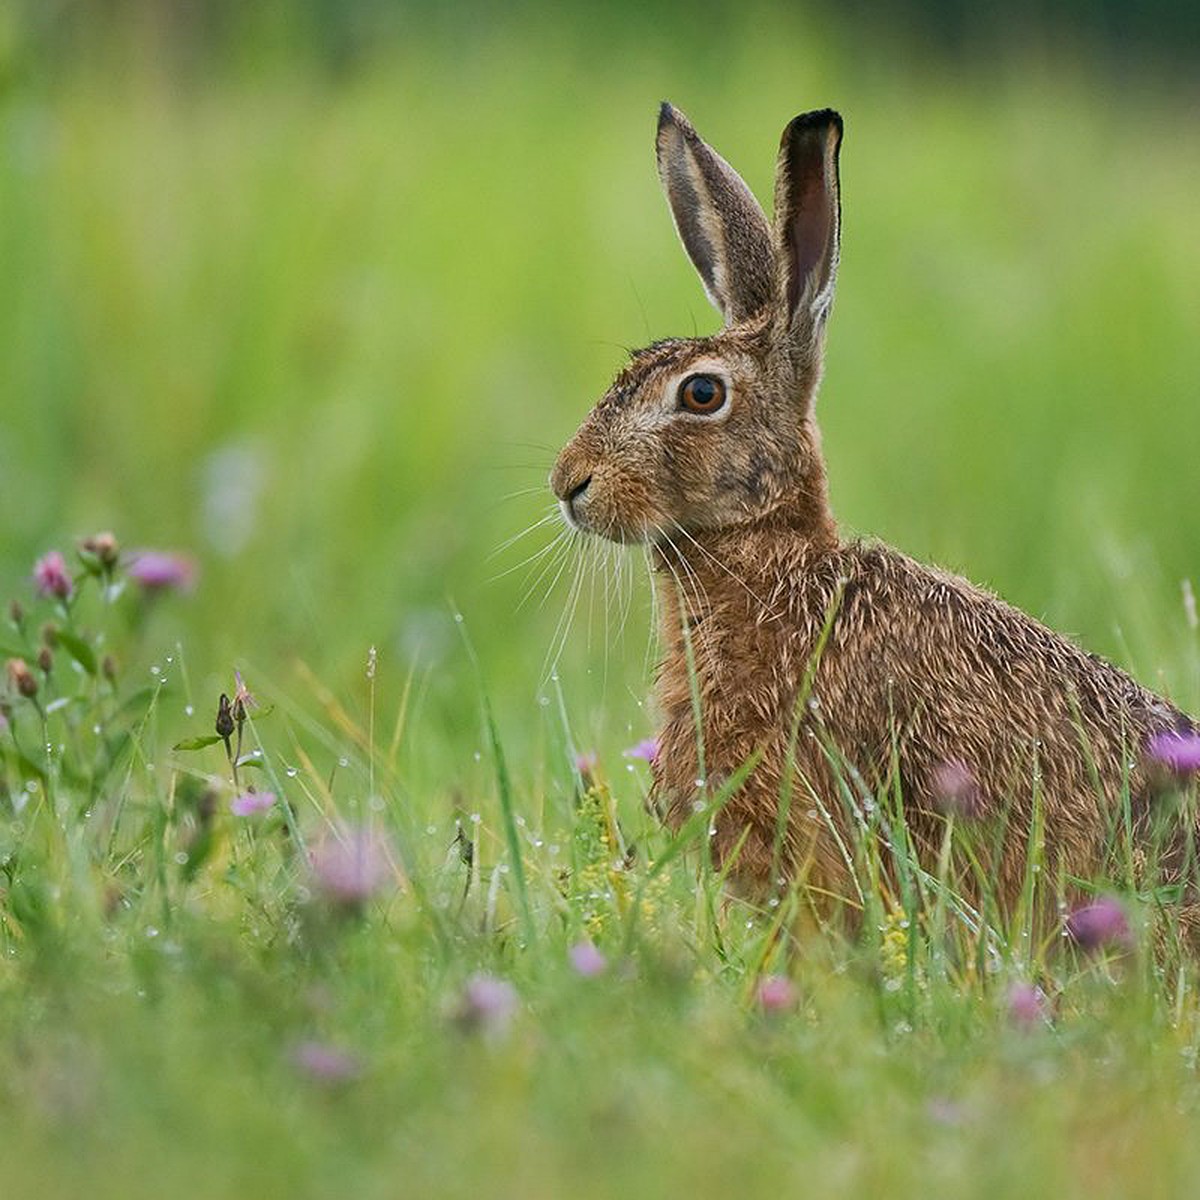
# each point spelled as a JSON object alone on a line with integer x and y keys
{"x": 78, "y": 649}
{"x": 198, "y": 743}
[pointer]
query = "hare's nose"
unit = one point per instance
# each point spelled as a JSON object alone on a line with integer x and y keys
{"x": 574, "y": 493}
{"x": 577, "y": 491}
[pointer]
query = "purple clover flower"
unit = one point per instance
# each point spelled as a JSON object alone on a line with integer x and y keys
{"x": 487, "y": 1005}
{"x": 351, "y": 866}
{"x": 250, "y": 804}
{"x": 155, "y": 571}
{"x": 647, "y": 750}
{"x": 51, "y": 576}
{"x": 585, "y": 763}
{"x": 776, "y": 993}
{"x": 586, "y": 960}
{"x": 1180, "y": 752}
{"x": 325, "y": 1063}
{"x": 1026, "y": 1005}
{"x": 956, "y": 790}
{"x": 1102, "y": 924}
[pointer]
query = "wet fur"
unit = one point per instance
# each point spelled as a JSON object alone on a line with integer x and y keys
{"x": 919, "y": 668}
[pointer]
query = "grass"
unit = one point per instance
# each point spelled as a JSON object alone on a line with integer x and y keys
{"x": 312, "y": 332}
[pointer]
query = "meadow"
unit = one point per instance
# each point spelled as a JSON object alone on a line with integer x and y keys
{"x": 318, "y": 333}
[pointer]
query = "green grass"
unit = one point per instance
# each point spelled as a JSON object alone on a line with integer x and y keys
{"x": 322, "y": 334}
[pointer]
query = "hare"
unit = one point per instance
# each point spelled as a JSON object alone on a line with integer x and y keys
{"x": 834, "y": 669}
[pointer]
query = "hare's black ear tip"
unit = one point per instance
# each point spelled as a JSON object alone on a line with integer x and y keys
{"x": 821, "y": 121}
{"x": 669, "y": 117}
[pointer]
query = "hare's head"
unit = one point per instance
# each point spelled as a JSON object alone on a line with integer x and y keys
{"x": 712, "y": 432}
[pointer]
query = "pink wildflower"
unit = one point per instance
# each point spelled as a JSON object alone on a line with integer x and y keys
{"x": 351, "y": 866}
{"x": 487, "y": 1005}
{"x": 250, "y": 804}
{"x": 159, "y": 572}
{"x": 585, "y": 763}
{"x": 1178, "y": 751}
{"x": 1099, "y": 925}
{"x": 1026, "y": 1003}
{"x": 51, "y": 576}
{"x": 776, "y": 993}
{"x": 647, "y": 750}
{"x": 587, "y": 960}
{"x": 956, "y": 791}
{"x": 326, "y": 1063}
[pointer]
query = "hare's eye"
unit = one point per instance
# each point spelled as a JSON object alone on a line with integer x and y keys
{"x": 702, "y": 394}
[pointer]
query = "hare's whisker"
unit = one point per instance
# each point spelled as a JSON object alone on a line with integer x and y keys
{"x": 527, "y": 561}
{"x": 516, "y": 537}
{"x": 721, "y": 566}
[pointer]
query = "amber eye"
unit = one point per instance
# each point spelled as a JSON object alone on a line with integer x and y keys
{"x": 702, "y": 394}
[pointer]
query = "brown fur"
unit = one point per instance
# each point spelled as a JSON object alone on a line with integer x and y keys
{"x": 919, "y": 668}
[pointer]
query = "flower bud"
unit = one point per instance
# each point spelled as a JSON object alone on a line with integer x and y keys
{"x": 22, "y": 678}
{"x": 16, "y": 614}
{"x": 100, "y": 549}
{"x": 45, "y": 660}
{"x": 108, "y": 666}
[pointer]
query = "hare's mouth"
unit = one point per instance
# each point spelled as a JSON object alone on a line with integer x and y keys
{"x": 585, "y": 519}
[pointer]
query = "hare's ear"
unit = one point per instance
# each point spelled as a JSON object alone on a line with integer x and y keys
{"x": 720, "y": 223}
{"x": 808, "y": 217}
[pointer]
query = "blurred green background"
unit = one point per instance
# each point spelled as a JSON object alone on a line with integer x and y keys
{"x": 315, "y": 291}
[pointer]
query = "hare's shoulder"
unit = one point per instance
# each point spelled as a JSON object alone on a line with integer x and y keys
{"x": 941, "y": 624}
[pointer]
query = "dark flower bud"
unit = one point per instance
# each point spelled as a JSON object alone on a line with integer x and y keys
{"x": 16, "y": 614}
{"x": 109, "y": 666}
{"x": 224, "y": 725}
{"x": 50, "y": 635}
{"x": 45, "y": 660}
{"x": 22, "y": 678}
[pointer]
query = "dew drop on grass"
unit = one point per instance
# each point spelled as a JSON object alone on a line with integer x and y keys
{"x": 343, "y": 761}
{"x": 156, "y": 670}
{"x": 544, "y": 701}
{"x": 475, "y": 818}
{"x": 181, "y": 857}
{"x": 96, "y": 729}
{"x": 431, "y": 830}
{"x": 458, "y": 618}
{"x": 478, "y": 755}
{"x": 553, "y": 847}
{"x": 189, "y": 710}
{"x": 375, "y": 804}
{"x": 151, "y": 931}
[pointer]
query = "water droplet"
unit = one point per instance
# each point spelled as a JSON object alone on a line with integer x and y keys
{"x": 475, "y": 818}
{"x": 553, "y": 848}
{"x": 151, "y": 931}
{"x": 156, "y": 670}
{"x": 376, "y": 804}
{"x": 169, "y": 659}
{"x": 478, "y": 755}
{"x": 181, "y": 857}
{"x": 458, "y": 618}
{"x": 291, "y": 772}
{"x": 96, "y": 729}
{"x": 544, "y": 701}
{"x": 189, "y": 710}
{"x": 343, "y": 761}
{"x": 697, "y": 806}
{"x": 431, "y": 829}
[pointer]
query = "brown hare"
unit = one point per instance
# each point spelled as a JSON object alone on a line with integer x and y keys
{"x": 837, "y": 668}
